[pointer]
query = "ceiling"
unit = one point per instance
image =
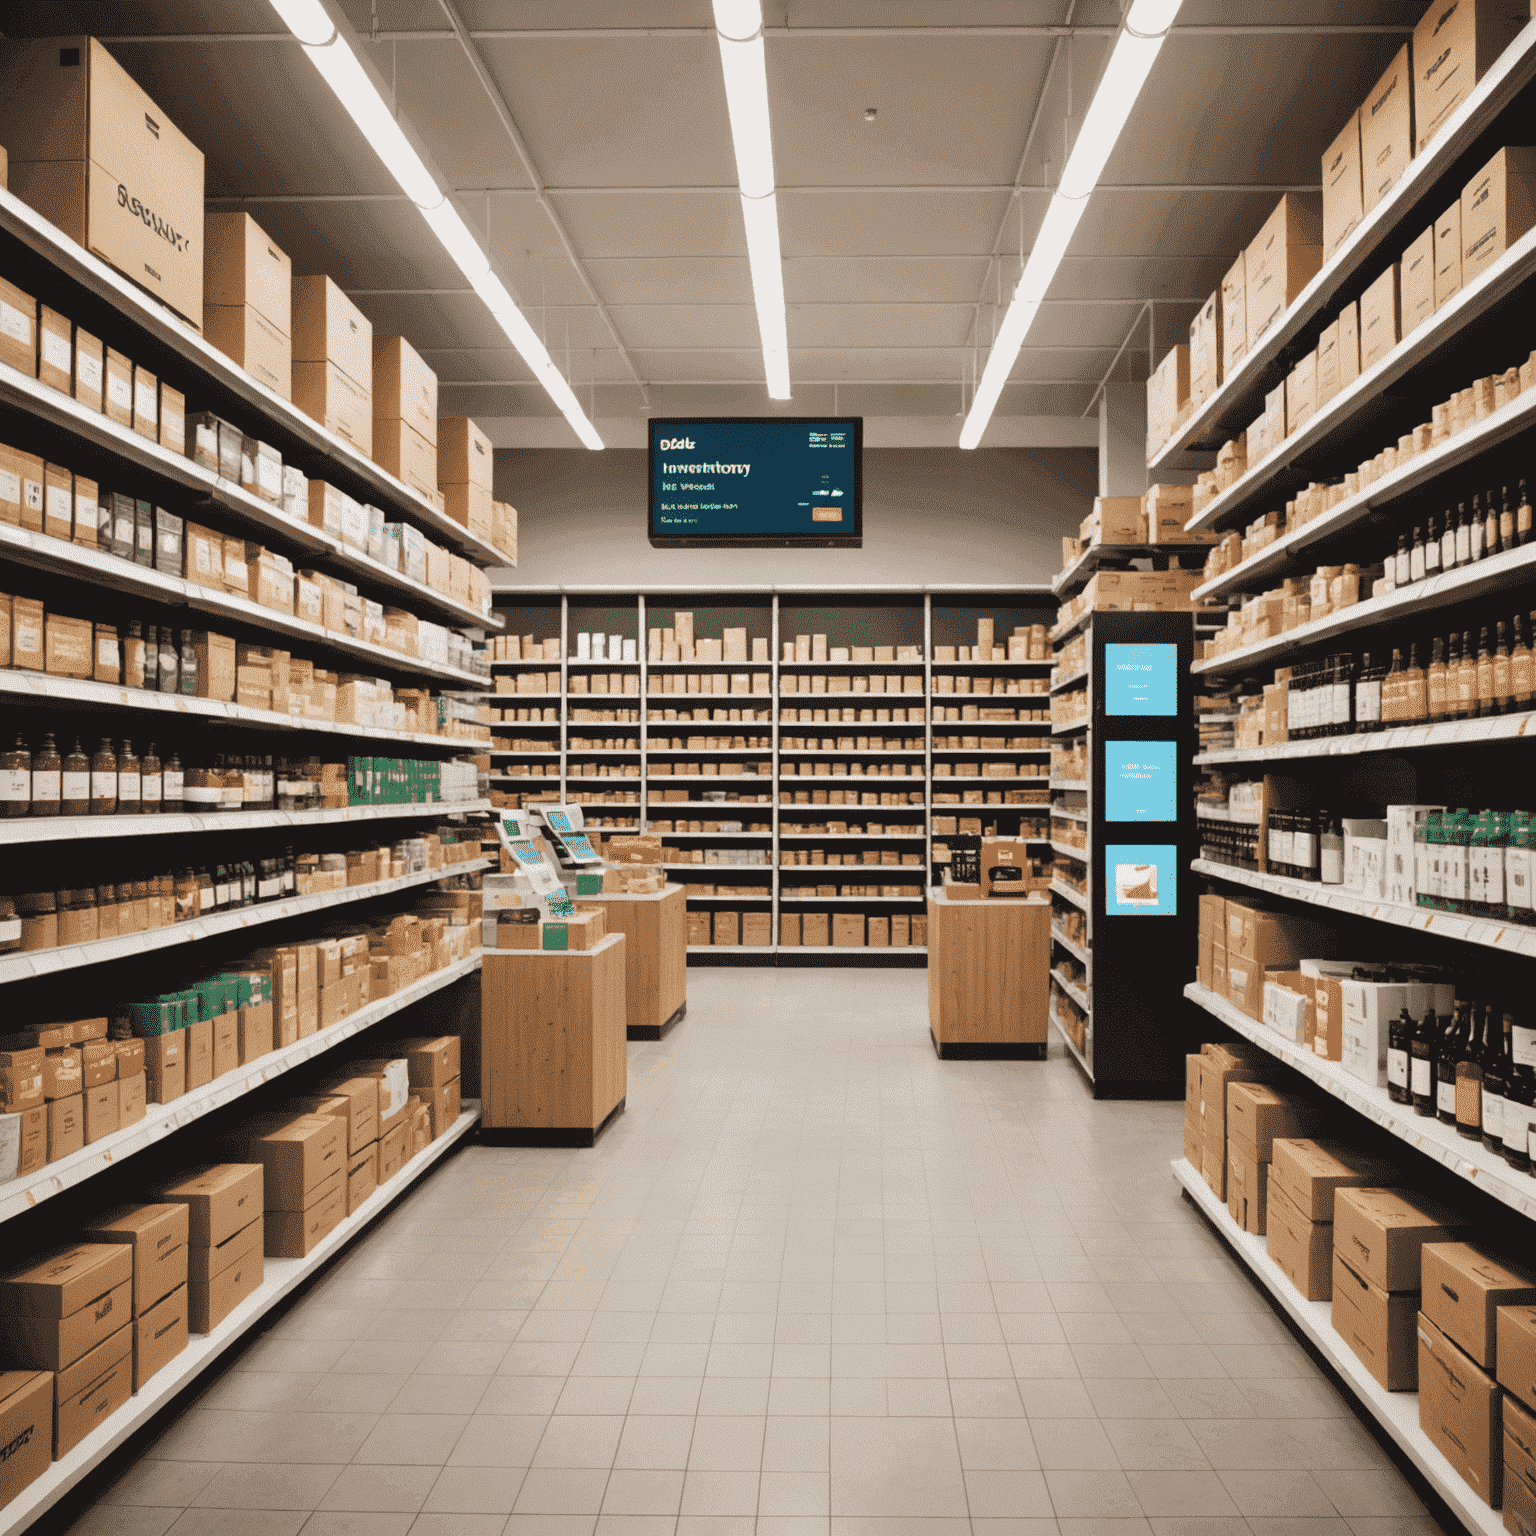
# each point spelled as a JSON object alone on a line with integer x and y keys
{"x": 899, "y": 234}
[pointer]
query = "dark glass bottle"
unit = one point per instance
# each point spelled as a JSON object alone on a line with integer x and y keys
{"x": 1507, "y": 538}
{"x": 1445, "y": 1068}
{"x": 1432, "y": 550}
{"x": 1423, "y": 1053}
{"x": 188, "y": 665}
{"x": 1448, "y": 544}
{"x": 1435, "y": 680}
{"x": 1477, "y": 529}
{"x": 1399, "y": 1049}
{"x": 1416, "y": 556}
{"x": 75, "y": 783}
{"x": 1495, "y": 1076}
{"x": 104, "y": 780}
{"x": 1491, "y": 527}
{"x": 1523, "y": 518}
{"x": 46, "y": 778}
{"x": 168, "y": 674}
{"x": 1503, "y": 686}
{"x": 16, "y": 779}
{"x": 129, "y": 781}
{"x": 1519, "y": 1110}
{"x": 174, "y": 786}
{"x": 152, "y": 784}
{"x": 1469, "y": 1076}
{"x": 1463, "y": 535}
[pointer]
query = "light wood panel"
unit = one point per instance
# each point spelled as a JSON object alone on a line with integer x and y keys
{"x": 553, "y": 1037}
{"x": 988, "y": 969}
{"x": 656, "y": 967}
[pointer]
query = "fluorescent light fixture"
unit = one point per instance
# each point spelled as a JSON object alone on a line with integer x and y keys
{"x": 1135, "y": 51}
{"x": 739, "y": 31}
{"x": 330, "y": 53}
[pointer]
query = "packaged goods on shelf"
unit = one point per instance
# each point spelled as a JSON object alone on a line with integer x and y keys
{"x": 1125, "y": 590}
{"x": 332, "y": 360}
{"x": 1168, "y": 402}
{"x": 404, "y": 407}
{"x": 464, "y": 471}
{"x": 248, "y": 298}
{"x": 602, "y": 647}
{"x": 1452, "y": 50}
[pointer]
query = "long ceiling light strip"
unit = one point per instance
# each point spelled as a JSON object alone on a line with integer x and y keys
{"x": 1135, "y": 51}
{"x": 341, "y": 69}
{"x": 739, "y": 31}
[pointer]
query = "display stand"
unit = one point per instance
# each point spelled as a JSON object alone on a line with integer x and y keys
{"x": 656, "y": 963}
{"x": 552, "y": 1034}
{"x": 988, "y": 963}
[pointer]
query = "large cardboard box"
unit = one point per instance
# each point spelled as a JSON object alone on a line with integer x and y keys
{"x": 1343, "y": 195}
{"x": 55, "y": 1309}
{"x": 157, "y": 1235}
{"x": 1460, "y": 1409}
{"x": 1247, "y": 1186}
{"x": 1382, "y": 1233}
{"x": 327, "y": 394}
{"x": 221, "y": 1200}
{"x": 464, "y": 454}
{"x": 1463, "y": 1291}
{"x": 94, "y": 155}
{"x": 1205, "y": 350}
{"x": 243, "y": 267}
{"x": 327, "y": 327}
{"x": 95, "y": 1385}
{"x": 405, "y": 453}
{"x": 1454, "y": 46}
{"x": 1516, "y": 1352}
{"x": 1386, "y": 130}
{"x": 1302, "y": 1249}
{"x": 245, "y": 336}
{"x": 1167, "y": 394}
{"x": 298, "y": 1155}
{"x": 26, "y": 1429}
{"x": 1380, "y": 323}
{"x": 159, "y": 1335}
{"x": 1258, "y": 1113}
{"x": 1498, "y": 206}
{"x": 1310, "y": 1173}
{"x": 1234, "y": 315}
{"x": 1282, "y": 259}
{"x": 220, "y": 1278}
{"x": 1519, "y": 1468}
{"x": 1448, "y": 254}
{"x": 1416, "y": 282}
{"x": 1377, "y": 1325}
{"x": 404, "y": 388}
{"x": 292, "y": 1234}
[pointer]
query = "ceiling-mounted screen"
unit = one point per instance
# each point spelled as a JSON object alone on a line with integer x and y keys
{"x": 757, "y": 480}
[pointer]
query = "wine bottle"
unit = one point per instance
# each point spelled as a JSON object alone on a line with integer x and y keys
{"x": 1494, "y": 1079}
{"x": 1469, "y": 1077}
{"x": 1463, "y": 536}
{"x": 1436, "y": 679}
{"x": 1423, "y": 1051}
{"x": 1416, "y": 556}
{"x": 1503, "y": 681}
{"x": 1432, "y": 550}
{"x": 1445, "y": 1070}
{"x": 1521, "y": 675}
{"x": 1399, "y": 1050}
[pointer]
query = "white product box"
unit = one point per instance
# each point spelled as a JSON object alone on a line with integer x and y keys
{"x": 1365, "y": 856}
{"x": 1405, "y": 877}
{"x": 1285, "y": 1011}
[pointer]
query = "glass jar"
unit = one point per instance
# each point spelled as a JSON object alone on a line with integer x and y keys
{"x": 129, "y": 778}
{"x": 16, "y": 780}
{"x": 186, "y": 896}
{"x": 104, "y": 780}
{"x": 46, "y": 778}
{"x": 151, "y": 784}
{"x": 108, "y": 912}
{"x": 75, "y": 783}
{"x": 39, "y": 920}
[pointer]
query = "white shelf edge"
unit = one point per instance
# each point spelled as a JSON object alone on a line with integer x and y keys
{"x": 282, "y": 1276}
{"x": 162, "y": 1120}
{"x": 1507, "y": 938}
{"x": 1071, "y": 1045}
{"x": 1401, "y": 738}
{"x": 1077, "y": 995}
{"x": 1440, "y": 1143}
{"x": 23, "y": 965}
{"x": 1080, "y": 854}
{"x": 1068, "y": 894}
{"x": 1072, "y": 947}
{"x": 1396, "y": 1412}
{"x": 1070, "y": 785}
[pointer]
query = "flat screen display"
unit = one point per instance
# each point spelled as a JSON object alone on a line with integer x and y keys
{"x": 757, "y": 480}
{"x": 1141, "y": 679}
{"x": 1141, "y": 880}
{"x": 1140, "y": 781}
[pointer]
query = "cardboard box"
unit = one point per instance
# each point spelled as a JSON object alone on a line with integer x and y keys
{"x": 393, "y": 1148}
{"x": 1234, "y": 315}
{"x": 1463, "y": 1291}
{"x": 1460, "y": 1411}
{"x": 159, "y": 1335}
{"x": 1386, "y": 130}
{"x": 1257, "y": 1114}
{"x": 1247, "y": 1185}
{"x": 56, "y": 1309}
{"x": 92, "y": 153}
{"x": 404, "y": 389}
{"x": 1498, "y": 206}
{"x": 1349, "y": 344}
{"x": 26, "y": 1429}
{"x": 1416, "y": 282}
{"x": 1167, "y": 394}
{"x": 1377, "y": 1325}
{"x": 292, "y": 1234}
{"x": 1281, "y": 260}
{"x": 55, "y": 348}
{"x": 431, "y": 1060}
{"x": 1382, "y": 1233}
{"x": 96, "y": 1385}
{"x": 221, "y": 1200}
{"x": 244, "y": 269}
{"x": 1448, "y": 255}
{"x": 1311, "y": 1172}
{"x": 1519, "y": 1468}
{"x": 464, "y": 454}
{"x": 1515, "y": 1328}
{"x": 327, "y": 327}
{"x": 1302, "y": 1249}
{"x": 1205, "y": 350}
{"x": 298, "y": 1156}
{"x": 328, "y": 395}
{"x": 1454, "y": 46}
{"x": 157, "y": 1236}
{"x": 246, "y": 336}
{"x": 90, "y": 364}
{"x": 362, "y": 1096}
{"x": 405, "y": 453}
{"x": 66, "y": 1126}
{"x": 1343, "y": 189}
{"x": 239, "y": 1272}
{"x": 18, "y": 329}
{"x": 1379, "y": 318}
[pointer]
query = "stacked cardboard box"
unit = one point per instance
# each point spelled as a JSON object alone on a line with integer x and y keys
{"x": 304, "y": 1184}
{"x": 224, "y": 1238}
{"x": 354, "y": 1102}
{"x": 404, "y": 414}
{"x": 391, "y": 1077}
{"x": 333, "y": 361}
{"x": 1378, "y": 1241}
{"x": 1303, "y": 1179}
{"x": 1256, "y": 1114}
{"x": 156, "y": 1236}
{"x": 465, "y": 466}
{"x": 248, "y": 289}
{"x": 26, "y": 1427}
{"x": 433, "y": 1067}
{"x": 1220, "y": 1066}
{"x": 1516, "y": 1373}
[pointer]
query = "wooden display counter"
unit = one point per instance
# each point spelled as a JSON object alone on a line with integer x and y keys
{"x": 552, "y": 1043}
{"x": 656, "y": 970}
{"x": 988, "y": 969}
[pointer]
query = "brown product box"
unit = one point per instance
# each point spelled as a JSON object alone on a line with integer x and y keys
{"x": 328, "y": 395}
{"x": 1460, "y": 1409}
{"x": 67, "y": 647}
{"x": 392, "y": 1151}
{"x": 727, "y": 928}
{"x": 1257, "y": 1114}
{"x": 26, "y": 1428}
{"x": 119, "y": 388}
{"x": 1416, "y": 282}
{"x": 1386, "y": 130}
{"x": 431, "y": 1060}
{"x": 1205, "y": 349}
{"x": 1234, "y": 313}
{"x": 157, "y": 1236}
{"x": 404, "y": 388}
{"x": 66, "y": 1126}
{"x": 1448, "y": 255}
{"x": 1454, "y": 46}
{"x": 1516, "y": 1353}
{"x": 254, "y": 1033}
{"x": 233, "y": 1271}
{"x": 90, "y": 361}
{"x": 1167, "y": 394}
{"x": 362, "y": 1096}
{"x": 1463, "y": 1291}
{"x": 146, "y": 403}
{"x": 1194, "y": 1129}
{"x": 1327, "y": 364}
{"x": 1377, "y": 1325}
{"x": 98, "y": 1063}
{"x": 1300, "y": 393}
{"x": 327, "y": 327}
{"x": 165, "y": 1084}
{"x": 1343, "y": 194}
{"x": 63, "y": 1075}
{"x": 18, "y": 328}
{"x": 464, "y": 454}
{"x": 246, "y": 336}
{"x": 1302, "y": 1249}
{"x": 1282, "y": 259}
{"x": 362, "y": 1175}
{"x": 243, "y": 267}
{"x": 23, "y": 1079}
{"x": 27, "y": 631}
{"x": 97, "y": 1384}
{"x": 1220, "y": 1066}
{"x": 102, "y": 1112}
{"x": 1379, "y": 318}
{"x": 32, "y": 1134}
{"x": 816, "y": 930}
{"x": 405, "y": 453}
{"x": 1271, "y": 938}
{"x": 468, "y": 505}
{"x": 92, "y": 153}
{"x": 298, "y": 1155}
{"x": 789, "y": 929}
{"x": 197, "y": 1053}
{"x": 221, "y": 1199}
{"x": 1119, "y": 520}
{"x": 1247, "y": 1189}
{"x": 1310, "y": 1172}
{"x": 1498, "y": 206}
{"x": 215, "y": 665}
{"x": 1382, "y": 1232}
{"x": 159, "y": 1335}
{"x": 55, "y": 350}
{"x": 848, "y": 930}
{"x": 444, "y": 1106}
{"x": 1519, "y": 1468}
{"x": 54, "y": 1310}
{"x": 293, "y": 1234}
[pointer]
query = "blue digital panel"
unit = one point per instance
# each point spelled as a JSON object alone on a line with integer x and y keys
{"x": 1141, "y": 679}
{"x": 1140, "y": 781}
{"x": 1141, "y": 880}
{"x": 790, "y": 478}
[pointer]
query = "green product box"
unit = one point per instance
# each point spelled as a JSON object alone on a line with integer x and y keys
{"x": 589, "y": 885}
{"x": 556, "y": 936}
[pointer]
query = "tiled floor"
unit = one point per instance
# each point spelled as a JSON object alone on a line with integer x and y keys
{"x": 814, "y": 1283}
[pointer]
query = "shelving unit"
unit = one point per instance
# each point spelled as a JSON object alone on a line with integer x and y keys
{"x": 896, "y": 617}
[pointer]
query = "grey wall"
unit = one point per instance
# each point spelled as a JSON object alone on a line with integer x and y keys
{"x": 931, "y": 515}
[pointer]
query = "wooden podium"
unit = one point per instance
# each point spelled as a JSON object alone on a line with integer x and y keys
{"x": 656, "y": 968}
{"x": 552, "y": 1044}
{"x": 988, "y": 970}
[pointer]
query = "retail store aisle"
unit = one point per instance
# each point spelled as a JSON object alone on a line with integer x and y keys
{"x": 815, "y": 1281}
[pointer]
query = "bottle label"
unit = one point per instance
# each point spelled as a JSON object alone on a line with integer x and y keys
{"x": 1493, "y": 1114}
{"x": 1469, "y": 1100}
{"x": 16, "y": 785}
{"x": 1517, "y": 877}
{"x": 103, "y": 785}
{"x": 75, "y": 786}
{"x": 269, "y": 888}
{"x": 128, "y": 786}
{"x": 10, "y": 930}
{"x": 1397, "y": 1068}
{"x": 45, "y": 786}
{"x": 153, "y": 787}
{"x": 173, "y": 785}
{"x": 1493, "y": 877}
{"x": 1516, "y": 1125}
{"x": 221, "y": 894}
{"x": 1523, "y": 1045}
{"x": 1445, "y": 1098}
{"x": 1421, "y": 1077}
{"x": 1332, "y": 869}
